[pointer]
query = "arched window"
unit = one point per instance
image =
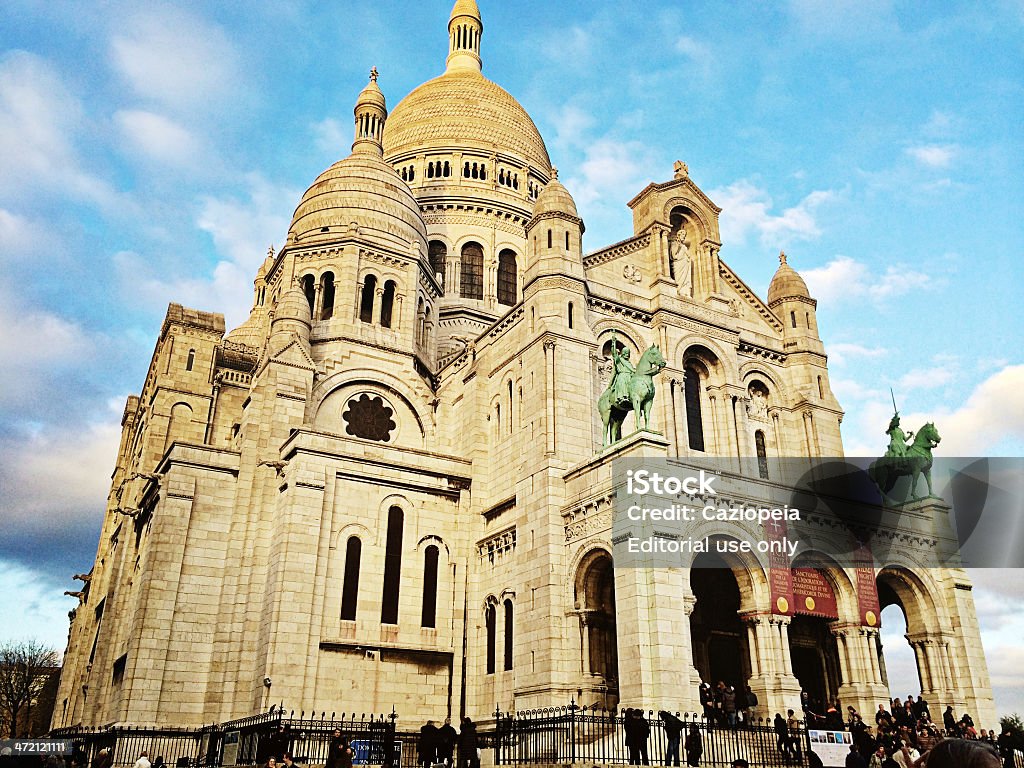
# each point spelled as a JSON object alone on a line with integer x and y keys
{"x": 350, "y": 585}
{"x": 447, "y": 169}
{"x": 437, "y": 253}
{"x": 508, "y": 634}
{"x": 570, "y": 315}
{"x": 567, "y": 239}
{"x": 510, "y": 405}
{"x": 694, "y": 419}
{"x": 309, "y": 288}
{"x": 471, "y": 282}
{"x": 792, "y": 319}
{"x": 392, "y": 567}
{"x": 387, "y": 303}
{"x": 549, "y": 238}
{"x": 507, "y": 277}
{"x": 430, "y": 557}
{"x": 821, "y": 389}
{"x": 762, "y": 454}
{"x": 327, "y": 296}
{"x": 465, "y": 171}
{"x": 366, "y": 301}
{"x": 192, "y": 361}
{"x": 491, "y": 620}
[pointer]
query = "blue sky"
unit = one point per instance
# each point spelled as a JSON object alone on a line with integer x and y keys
{"x": 151, "y": 152}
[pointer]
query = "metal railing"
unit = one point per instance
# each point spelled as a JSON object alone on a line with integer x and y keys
{"x": 572, "y": 734}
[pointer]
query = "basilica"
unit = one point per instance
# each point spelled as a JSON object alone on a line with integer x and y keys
{"x": 392, "y": 485}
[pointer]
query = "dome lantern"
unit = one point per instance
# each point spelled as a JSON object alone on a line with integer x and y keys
{"x": 465, "y": 27}
{"x": 370, "y": 113}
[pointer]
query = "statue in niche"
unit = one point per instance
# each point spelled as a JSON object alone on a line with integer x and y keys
{"x": 679, "y": 253}
{"x": 757, "y": 405}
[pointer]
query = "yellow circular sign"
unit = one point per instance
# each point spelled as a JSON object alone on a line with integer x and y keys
{"x": 871, "y": 618}
{"x": 809, "y": 602}
{"x": 783, "y": 605}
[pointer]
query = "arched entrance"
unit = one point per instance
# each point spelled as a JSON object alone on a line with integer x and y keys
{"x": 812, "y": 645}
{"x": 717, "y": 633}
{"x": 594, "y": 590}
{"x": 929, "y": 652}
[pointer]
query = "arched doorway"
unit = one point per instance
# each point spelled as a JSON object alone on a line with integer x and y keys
{"x": 595, "y": 606}
{"x": 905, "y": 603}
{"x": 813, "y": 649}
{"x": 717, "y": 633}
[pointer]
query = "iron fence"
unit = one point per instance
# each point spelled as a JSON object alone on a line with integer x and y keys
{"x": 573, "y": 734}
{"x": 179, "y": 747}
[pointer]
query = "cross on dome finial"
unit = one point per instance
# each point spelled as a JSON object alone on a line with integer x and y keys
{"x": 373, "y": 74}
{"x": 782, "y": 257}
{"x": 682, "y": 170}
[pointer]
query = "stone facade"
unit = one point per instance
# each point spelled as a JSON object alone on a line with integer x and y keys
{"x": 388, "y": 486}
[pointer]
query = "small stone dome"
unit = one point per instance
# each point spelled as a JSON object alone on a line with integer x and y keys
{"x": 554, "y": 198}
{"x": 364, "y": 190}
{"x": 293, "y": 306}
{"x": 372, "y": 95}
{"x": 786, "y": 283}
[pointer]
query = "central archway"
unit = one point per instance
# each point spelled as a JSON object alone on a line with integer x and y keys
{"x": 720, "y": 652}
{"x": 594, "y": 595}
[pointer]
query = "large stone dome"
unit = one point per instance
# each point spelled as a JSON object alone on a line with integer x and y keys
{"x": 365, "y": 190}
{"x": 463, "y": 109}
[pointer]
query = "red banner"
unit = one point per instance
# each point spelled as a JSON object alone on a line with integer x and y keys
{"x": 780, "y": 578}
{"x": 867, "y": 590}
{"x": 813, "y": 595}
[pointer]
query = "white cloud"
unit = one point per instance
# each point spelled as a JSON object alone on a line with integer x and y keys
{"x": 609, "y": 166}
{"x": 241, "y": 230}
{"x": 842, "y": 352}
{"x": 36, "y": 348}
{"x": 990, "y": 422}
{"x": 19, "y": 235}
{"x": 926, "y": 378}
{"x": 174, "y": 58}
{"x": 41, "y": 608}
{"x": 698, "y": 53}
{"x": 81, "y": 458}
{"x": 158, "y": 137}
{"x": 39, "y": 119}
{"x": 933, "y": 155}
{"x": 332, "y": 137}
{"x": 845, "y": 19}
{"x": 846, "y": 279}
{"x": 747, "y": 209}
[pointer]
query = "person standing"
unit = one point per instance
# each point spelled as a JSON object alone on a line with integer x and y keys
{"x": 426, "y": 749}
{"x": 143, "y": 761}
{"x": 447, "y": 738}
{"x": 334, "y": 750}
{"x": 469, "y": 756}
{"x": 694, "y": 746}
{"x": 729, "y": 705}
{"x": 854, "y": 759}
{"x": 673, "y": 729}
{"x": 750, "y": 713}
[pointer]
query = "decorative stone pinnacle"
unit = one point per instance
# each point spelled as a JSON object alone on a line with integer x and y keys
{"x": 373, "y": 74}
{"x": 270, "y": 251}
{"x": 554, "y": 173}
{"x": 782, "y": 257}
{"x": 682, "y": 169}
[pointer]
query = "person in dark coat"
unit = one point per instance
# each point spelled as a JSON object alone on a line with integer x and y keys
{"x": 949, "y": 721}
{"x": 694, "y": 746}
{"x": 781, "y": 734}
{"x": 447, "y": 738}
{"x": 673, "y": 729}
{"x": 426, "y": 748}
{"x": 469, "y": 757}
{"x": 333, "y": 759}
{"x": 854, "y": 759}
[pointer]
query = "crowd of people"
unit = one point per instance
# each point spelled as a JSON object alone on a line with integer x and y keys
{"x": 444, "y": 745}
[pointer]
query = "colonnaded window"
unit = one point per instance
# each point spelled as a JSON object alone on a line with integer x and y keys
{"x": 350, "y": 584}
{"x": 327, "y": 296}
{"x": 437, "y": 252}
{"x": 509, "y": 622}
{"x": 387, "y": 304}
{"x": 762, "y": 454}
{"x": 366, "y": 300}
{"x": 491, "y": 619}
{"x": 430, "y": 558}
{"x": 471, "y": 283}
{"x": 392, "y": 566}
{"x": 309, "y": 289}
{"x": 694, "y": 418}
{"x": 507, "y": 277}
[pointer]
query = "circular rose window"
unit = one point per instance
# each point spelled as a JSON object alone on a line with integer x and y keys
{"x": 367, "y": 416}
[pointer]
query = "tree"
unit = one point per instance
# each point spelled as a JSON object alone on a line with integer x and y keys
{"x": 25, "y": 666}
{"x": 1015, "y": 726}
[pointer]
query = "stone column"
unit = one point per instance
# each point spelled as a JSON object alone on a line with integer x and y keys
{"x": 675, "y": 385}
{"x": 549, "y": 367}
